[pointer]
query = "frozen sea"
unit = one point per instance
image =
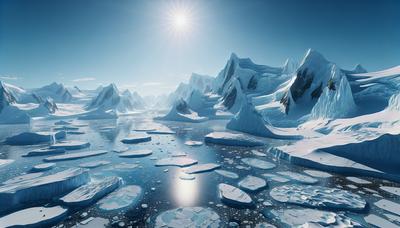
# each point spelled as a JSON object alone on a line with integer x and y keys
{"x": 166, "y": 188}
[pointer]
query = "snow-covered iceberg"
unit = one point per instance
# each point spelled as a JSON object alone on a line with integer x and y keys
{"x": 181, "y": 112}
{"x": 30, "y": 138}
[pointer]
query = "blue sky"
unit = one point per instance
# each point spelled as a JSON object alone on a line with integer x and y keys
{"x": 135, "y": 44}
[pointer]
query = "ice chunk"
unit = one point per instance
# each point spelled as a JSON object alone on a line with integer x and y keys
{"x": 176, "y": 161}
{"x": 122, "y": 198}
{"x": 193, "y": 143}
{"x": 161, "y": 132}
{"x": 201, "y": 168}
{"x": 73, "y": 156}
{"x": 93, "y": 164}
{"x": 136, "y": 138}
{"x": 393, "y": 190}
{"x": 70, "y": 145}
{"x": 91, "y": 222}
{"x": 264, "y": 225}
{"x": 42, "y": 188}
{"x": 135, "y": 153}
{"x": 4, "y": 162}
{"x": 257, "y": 163}
{"x": 34, "y": 217}
{"x": 316, "y": 173}
{"x": 22, "y": 178}
{"x": 298, "y": 177}
{"x": 231, "y": 139}
{"x": 274, "y": 177}
{"x": 389, "y": 206}
{"x": 252, "y": 183}
{"x": 358, "y": 180}
{"x": 123, "y": 166}
{"x": 44, "y": 151}
{"x": 185, "y": 176}
{"x": 258, "y": 153}
{"x": 234, "y": 196}
{"x": 319, "y": 197}
{"x": 43, "y": 167}
{"x": 311, "y": 218}
{"x": 379, "y": 221}
{"x": 188, "y": 217}
{"x": 227, "y": 174}
{"x": 30, "y": 138}
{"x": 89, "y": 193}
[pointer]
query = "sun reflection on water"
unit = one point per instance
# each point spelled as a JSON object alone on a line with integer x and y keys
{"x": 185, "y": 192}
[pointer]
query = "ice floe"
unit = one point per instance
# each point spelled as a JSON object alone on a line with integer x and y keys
{"x": 274, "y": 177}
{"x": 176, "y": 161}
{"x": 91, "y": 192}
{"x": 389, "y": 206}
{"x": 193, "y": 143}
{"x": 43, "y": 167}
{"x": 264, "y": 225}
{"x": 298, "y": 177}
{"x": 257, "y": 163}
{"x": 393, "y": 190}
{"x": 70, "y": 145}
{"x": 4, "y": 162}
{"x": 73, "y": 156}
{"x": 227, "y": 174}
{"x": 93, "y": 164}
{"x": 30, "y": 138}
{"x": 234, "y": 196}
{"x": 379, "y": 221}
{"x": 44, "y": 151}
{"x": 136, "y": 138}
{"x": 135, "y": 153}
{"x": 62, "y": 122}
{"x": 34, "y": 217}
{"x": 201, "y": 168}
{"x": 318, "y": 197}
{"x": 22, "y": 178}
{"x": 188, "y": 217}
{"x": 161, "y": 132}
{"x": 42, "y": 188}
{"x": 358, "y": 180}
{"x": 124, "y": 197}
{"x": 316, "y": 173}
{"x": 93, "y": 222}
{"x": 252, "y": 183}
{"x": 232, "y": 139}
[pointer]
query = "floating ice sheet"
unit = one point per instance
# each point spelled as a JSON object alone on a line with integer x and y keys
{"x": 44, "y": 151}
{"x": 393, "y": 190}
{"x": 389, "y": 206}
{"x": 43, "y": 167}
{"x": 257, "y": 163}
{"x": 193, "y": 143}
{"x": 227, "y": 174}
{"x": 188, "y": 217}
{"x": 252, "y": 183}
{"x": 135, "y": 153}
{"x": 176, "y": 161}
{"x": 231, "y": 139}
{"x": 124, "y": 197}
{"x": 71, "y": 145}
{"x": 298, "y": 177}
{"x": 201, "y": 168}
{"x": 77, "y": 155}
{"x": 234, "y": 196}
{"x": 93, "y": 164}
{"x": 316, "y": 173}
{"x": 136, "y": 138}
{"x": 379, "y": 221}
{"x": 358, "y": 180}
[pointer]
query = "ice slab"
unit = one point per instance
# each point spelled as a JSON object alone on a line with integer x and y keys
{"x": 379, "y": 221}
{"x": 389, "y": 206}
{"x": 70, "y": 145}
{"x": 91, "y": 192}
{"x": 30, "y": 138}
{"x": 123, "y": 167}
{"x": 66, "y": 128}
{"x": 234, "y": 196}
{"x": 304, "y": 179}
{"x": 161, "y": 132}
{"x": 316, "y": 173}
{"x": 393, "y": 190}
{"x": 93, "y": 222}
{"x": 4, "y": 162}
{"x": 135, "y": 153}
{"x": 318, "y": 197}
{"x": 93, "y": 164}
{"x": 43, "y": 167}
{"x": 358, "y": 180}
{"x": 258, "y": 153}
{"x": 34, "y": 217}
{"x": 73, "y": 156}
{"x": 176, "y": 161}
{"x": 201, "y": 168}
{"x": 231, "y": 139}
{"x": 44, "y": 151}
{"x": 193, "y": 143}
{"x": 252, "y": 183}
{"x": 264, "y": 225}
{"x": 136, "y": 138}
{"x": 42, "y": 188}
{"x": 22, "y": 178}
{"x": 311, "y": 218}
{"x": 258, "y": 163}
{"x": 188, "y": 217}
{"x": 227, "y": 174}
{"x": 122, "y": 198}
{"x": 274, "y": 177}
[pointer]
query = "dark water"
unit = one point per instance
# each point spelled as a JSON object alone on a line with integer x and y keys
{"x": 163, "y": 189}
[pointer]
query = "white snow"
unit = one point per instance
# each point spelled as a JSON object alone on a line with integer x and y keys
{"x": 358, "y": 180}
{"x": 30, "y": 138}
{"x": 136, "y": 138}
{"x": 91, "y": 192}
{"x": 227, "y": 173}
{"x": 318, "y": 197}
{"x": 379, "y": 221}
{"x": 42, "y": 188}
{"x": 34, "y": 217}
{"x": 200, "y": 168}
{"x": 389, "y": 206}
{"x": 304, "y": 179}
{"x": 393, "y": 190}
{"x": 22, "y": 178}
{"x": 232, "y": 139}
{"x": 258, "y": 163}
{"x": 135, "y": 153}
{"x": 176, "y": 161}
{"x": 70, "y": 145}
{"x": 127, "y": 196}
{"x": 43, "y": 167}
{"x": 252, "y": 183}
{"x": 181, "y": 112}
{"x": 188, "y": 217}
{"x": 234, "y": 196}
{"x": 76, "y": 155}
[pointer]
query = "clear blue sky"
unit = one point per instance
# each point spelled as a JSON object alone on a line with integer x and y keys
{"x": 134, "y": 43}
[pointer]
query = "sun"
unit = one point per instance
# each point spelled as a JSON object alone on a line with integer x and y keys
{"x": 180, "y": 21}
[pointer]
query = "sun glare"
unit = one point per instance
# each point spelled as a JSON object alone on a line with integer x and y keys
{"x": 180, "y": 21}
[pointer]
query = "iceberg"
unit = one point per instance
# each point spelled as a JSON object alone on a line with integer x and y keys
{"x": 22, "y": 178}
{"x": 232, "y": 139}
{"x": 31, "y": 138}
{"x": 73, "y": 156}
{"x": 181, "y": 112}
{"x": 70, "y": 145}
{"x": 44, "y": 151}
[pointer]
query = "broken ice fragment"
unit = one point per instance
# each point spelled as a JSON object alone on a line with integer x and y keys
{"x": 135, "y": 153}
